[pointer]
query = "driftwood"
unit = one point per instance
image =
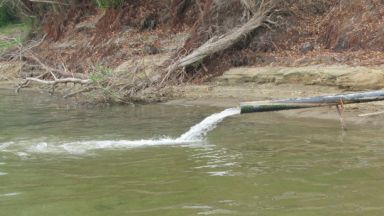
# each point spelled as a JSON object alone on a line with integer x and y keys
{"x": 58, "y": 81}
{"x": 309, "y": 102}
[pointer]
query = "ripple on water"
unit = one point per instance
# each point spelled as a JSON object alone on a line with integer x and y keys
{"x": 221, "y": 173}
{"x": 3, "y": 173}
{"x": 4, "y": 146}
{"x": 216, "y": 162}
{"x": 22, "y": 155}
{"x": 208, "y": 210}
{"x": 10, "y": 194}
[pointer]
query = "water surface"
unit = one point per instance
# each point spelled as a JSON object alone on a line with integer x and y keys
{"x": 257, "y": 164}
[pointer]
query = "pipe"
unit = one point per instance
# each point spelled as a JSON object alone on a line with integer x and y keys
{"x": 309, "y": 102}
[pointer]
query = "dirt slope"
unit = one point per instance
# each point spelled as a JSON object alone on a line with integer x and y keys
{"x": 87, "y": 42}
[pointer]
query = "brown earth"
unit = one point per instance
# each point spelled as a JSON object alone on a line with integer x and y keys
{"x": 308, "y": 32}
{"x": 137, "y": 41}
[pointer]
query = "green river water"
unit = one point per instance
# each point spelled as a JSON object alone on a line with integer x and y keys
{"x": 59, "y": 160}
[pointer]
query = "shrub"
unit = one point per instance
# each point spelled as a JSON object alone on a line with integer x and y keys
{"x": 5, "y": 16}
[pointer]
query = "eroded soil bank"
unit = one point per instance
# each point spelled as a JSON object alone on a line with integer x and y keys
{"x": 129, "y": 52}
{"x": 150, "y": 51}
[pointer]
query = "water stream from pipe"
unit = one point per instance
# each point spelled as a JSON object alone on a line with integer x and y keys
{"x": 194, "y": 134}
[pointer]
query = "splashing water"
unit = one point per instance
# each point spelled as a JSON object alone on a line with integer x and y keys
{"x": 198, "y": 131}
{"x": 194, "y": 134}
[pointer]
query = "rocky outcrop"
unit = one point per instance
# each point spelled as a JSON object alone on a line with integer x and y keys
{"x": 342, "y": 76}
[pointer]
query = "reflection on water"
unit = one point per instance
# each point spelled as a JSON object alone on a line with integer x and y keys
{"x": 216, "y": 161}
{"x": 258, "y": 164}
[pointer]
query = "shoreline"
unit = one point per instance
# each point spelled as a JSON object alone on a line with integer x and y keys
{"x": 260, "y": 83}
{"x": 265, "y": 83}
{"x": 350, "y": 115}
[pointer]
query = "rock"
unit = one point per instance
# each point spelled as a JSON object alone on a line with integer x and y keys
{"x": 150, "y": 49}
{"x": 149, "y": 23}
{"x": 127, "y": 28}
{"x": 362, "y": 80}
{"x": 306, "y": 47}
{"x": 240, "y": 61}
{"x": 341, "y": 76}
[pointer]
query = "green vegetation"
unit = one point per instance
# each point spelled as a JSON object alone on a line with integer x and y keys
{"x": 13, "y": 34}
{"x": 101, "y": 74}
{"x": 104, "y": 79}
{"x": 6, "y": 16}
{"x": 13, "y": 26}
{"x": 108, "y": 3}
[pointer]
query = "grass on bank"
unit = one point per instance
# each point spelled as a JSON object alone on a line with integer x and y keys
{"x": 13, "y": 34}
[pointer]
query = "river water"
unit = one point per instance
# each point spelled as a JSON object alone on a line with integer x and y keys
{"x": 56, "y": 159}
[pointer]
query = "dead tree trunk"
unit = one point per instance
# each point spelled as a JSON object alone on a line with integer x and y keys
{"x": 222, "y": 42}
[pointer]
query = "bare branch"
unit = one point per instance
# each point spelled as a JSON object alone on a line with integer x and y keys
{"x": 57, "y": 81}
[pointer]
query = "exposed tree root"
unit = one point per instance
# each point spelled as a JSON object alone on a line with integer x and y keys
{"x": 220, "y": 43}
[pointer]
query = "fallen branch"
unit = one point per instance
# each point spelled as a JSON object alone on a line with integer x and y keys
{"x": 26, "y": 83}
{"x": 58, "y": 81}
{"x": 223, "y": 42}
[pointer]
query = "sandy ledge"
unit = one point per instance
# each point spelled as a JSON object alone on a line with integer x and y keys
{"x": 252, "y": 84}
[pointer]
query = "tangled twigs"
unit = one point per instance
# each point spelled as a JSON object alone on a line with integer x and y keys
{"x": 18, "y": 54}
{"x": 50, "y": 70}
{"x": 26, "y": 83}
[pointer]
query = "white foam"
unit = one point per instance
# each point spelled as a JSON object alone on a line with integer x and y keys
{"x": 193, "y": 135}
{"x": 81, "y": 147}
{"x": 10, "y": 194}
{"x": 22, "y": 154}
{"x": 198, "y": 131}
{"x": 4, "y": 146}
{"x": 40, "y": 147}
